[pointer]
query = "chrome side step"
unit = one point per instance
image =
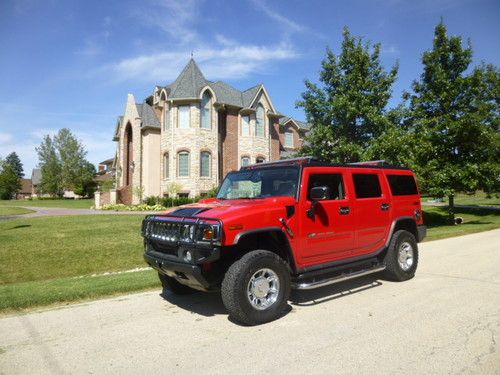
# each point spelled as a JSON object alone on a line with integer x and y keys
{"x": 336, "y": 279}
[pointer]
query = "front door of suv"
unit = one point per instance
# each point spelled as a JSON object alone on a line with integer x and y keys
{"x": 329, "y": 234}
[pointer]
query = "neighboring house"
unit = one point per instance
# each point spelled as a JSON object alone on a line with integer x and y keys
{"x": 105, "y": 171}
{"x": 193, "y": 132}
{"x": 26, "y": 189}
{"x": 36, "y": 178}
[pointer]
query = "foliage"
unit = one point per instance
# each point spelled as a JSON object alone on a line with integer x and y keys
{"x": 135, "y": 207}
{"x": 174, "y": 188}
{"x": 349, "y": 109}
{"x": 50, "y": 165}
{"x": 13, "y": 160}
{"x": 107, "y": 185}
{"x": 10, "y": 182}
{"x": 63, "y": 165}
{"x": 139, "y": 192}
{"x": 454, "y": 116}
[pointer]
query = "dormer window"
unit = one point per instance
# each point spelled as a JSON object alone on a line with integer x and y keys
{"x": 245, "y": 126}
{"x": 205, "y": 112}
{"x": 289, "y": 139}
{"x": 259, "y": 121}
{"x": 184, "y": 117}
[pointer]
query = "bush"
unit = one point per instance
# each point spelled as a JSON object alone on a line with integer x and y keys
{"x": 152, "y": 201}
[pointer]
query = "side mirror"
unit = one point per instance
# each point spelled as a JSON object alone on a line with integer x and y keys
{"x": 318, "y": 193}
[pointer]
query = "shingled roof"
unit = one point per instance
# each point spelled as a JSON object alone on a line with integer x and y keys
{"x": 302, "y": 125}
{"x": 191, "y": 81}
{"x": 147, "y": 115}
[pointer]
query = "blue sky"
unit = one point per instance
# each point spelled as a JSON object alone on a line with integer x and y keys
{"x": 67, "y": 63}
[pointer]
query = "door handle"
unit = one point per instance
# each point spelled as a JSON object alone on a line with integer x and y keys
{"x": 385, "y": 206}
{"x": 344, "y": 210}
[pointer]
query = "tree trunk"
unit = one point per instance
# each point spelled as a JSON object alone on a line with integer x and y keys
{"x": 451, "y": 209}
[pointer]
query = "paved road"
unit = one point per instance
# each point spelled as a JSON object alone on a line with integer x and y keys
{"x": 445, "y": 320}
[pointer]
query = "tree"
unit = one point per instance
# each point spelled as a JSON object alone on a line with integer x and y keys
{"x": 348, "y": 110}
{"x": 13, "y": 160}
{"x": 51, "y": 182}
{"x": 72, "y": 158}
{"x": 10, "y": 182}
{"x": 455, "y": 119}
{"x": 85, "y": 184}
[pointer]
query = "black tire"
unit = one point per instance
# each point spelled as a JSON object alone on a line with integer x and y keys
{"x": 169, "y": 283}
{"x": 236, "y": 283}
{"x": 394, "y": 271}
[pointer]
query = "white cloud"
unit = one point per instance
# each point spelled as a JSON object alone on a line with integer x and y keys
{"x": 289, "y": 24}
{"x": 5, "y": 138}
{"x": 225, "y": 61}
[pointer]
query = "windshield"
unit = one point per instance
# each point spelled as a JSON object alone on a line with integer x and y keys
{"x": 260, "y": 183}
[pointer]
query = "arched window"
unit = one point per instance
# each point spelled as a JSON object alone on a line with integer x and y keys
{"x": 205, "y": 113}
{"x": 260, "y": 159}
{"x": 166, "y": 165}
{"x": 259, "y": 121}
{"x": 245, "y": 160}
{"x": 183, "y": 164}
{"x": 205, "y": 164}
{"x": 166, "y": 119}
{"x": 184, "y": 117}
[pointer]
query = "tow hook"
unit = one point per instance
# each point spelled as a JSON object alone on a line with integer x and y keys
{"x": 287, "y": 228}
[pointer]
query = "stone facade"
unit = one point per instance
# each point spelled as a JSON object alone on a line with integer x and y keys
{"x": 150, "y": 136}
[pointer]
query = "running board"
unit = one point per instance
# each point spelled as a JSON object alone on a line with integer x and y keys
{"x": 336, "y": 279}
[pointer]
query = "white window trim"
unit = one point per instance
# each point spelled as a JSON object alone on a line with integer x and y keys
{"x": 287, "y": 145}
{"x": 209, "y": 103}
{"x": 263, "y": 121}
{"x": 209, "y": 164}
{"x": 188, "y": 164}
{"x": 166, "y": 168}
{"x": 188, "y": 116}
{"x": 249, "y": 127}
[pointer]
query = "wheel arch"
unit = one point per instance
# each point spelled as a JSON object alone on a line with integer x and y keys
{"x": 403, "y": 223}
{"x": 272, "y": 239}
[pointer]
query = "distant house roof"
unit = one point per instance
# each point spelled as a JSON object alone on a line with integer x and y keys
{"x": 107, "y": 161}
{"x": 26, "y": 186}
{"x": 36, "y": 176}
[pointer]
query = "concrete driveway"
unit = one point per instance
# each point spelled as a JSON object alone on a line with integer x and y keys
{"x": 445, "y": 320}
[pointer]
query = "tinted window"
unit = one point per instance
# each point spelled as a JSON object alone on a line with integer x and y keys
{"x": 332, "y": 181}
{"x": 402, "y": 185}
{"x": 367, "y": 185}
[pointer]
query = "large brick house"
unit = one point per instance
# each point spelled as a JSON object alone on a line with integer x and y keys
{"x": 193, "y": 132}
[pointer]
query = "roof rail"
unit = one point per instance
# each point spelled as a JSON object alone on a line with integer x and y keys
{"x": 378, "y": 163}
{"x": 300, "y": 161}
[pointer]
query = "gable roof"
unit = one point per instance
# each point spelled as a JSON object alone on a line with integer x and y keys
{"x": 300, "y": 124}
{"x": 148, "y": 116}
{"x": 191, "y": 82}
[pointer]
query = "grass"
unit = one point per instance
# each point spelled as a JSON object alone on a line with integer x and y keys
{"x": 47, "y": 260}
{"x": 12, "y": 211}
{"x": 475, "y": 220}
{"x": 478, "y": 199}
{"x": 59, "y": 203}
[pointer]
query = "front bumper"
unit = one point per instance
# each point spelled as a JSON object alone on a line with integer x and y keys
{"x": 421, "y": 232}
{"x": 186, "y": 273}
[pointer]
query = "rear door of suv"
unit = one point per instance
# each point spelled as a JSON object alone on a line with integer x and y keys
{"x": 372, "y": 210}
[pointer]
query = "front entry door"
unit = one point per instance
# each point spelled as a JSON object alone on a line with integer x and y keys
{"x": 329, "y": 234}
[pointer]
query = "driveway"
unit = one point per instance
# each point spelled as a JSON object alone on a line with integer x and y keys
{"x": 445, "y": 320}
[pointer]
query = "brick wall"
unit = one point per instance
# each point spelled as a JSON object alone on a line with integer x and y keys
{"x": 275, "y": 139}
{"x": 124, "y": 195}
{"x": 229, "y": 141}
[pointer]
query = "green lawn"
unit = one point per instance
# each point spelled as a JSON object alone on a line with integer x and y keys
{"x": 475, "y": 220}
{"x": 478, "y": 199}
{"x": 11, "y": 211}
{"x": 60, "y": 203}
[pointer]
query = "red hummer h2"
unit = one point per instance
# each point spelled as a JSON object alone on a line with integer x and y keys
{"x": 297, "y": 223}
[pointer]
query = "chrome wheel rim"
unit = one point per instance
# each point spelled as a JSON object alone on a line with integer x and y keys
{"x": 405, "y": 256}
{"x": 263, "y": 289}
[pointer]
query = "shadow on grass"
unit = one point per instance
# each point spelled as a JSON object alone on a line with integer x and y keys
{"x": 20, "y": 226}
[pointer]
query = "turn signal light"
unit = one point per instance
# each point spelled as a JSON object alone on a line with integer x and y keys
{"x": 208, "y": 234}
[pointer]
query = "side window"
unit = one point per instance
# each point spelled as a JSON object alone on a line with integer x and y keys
{"x": 367, "y": 185}
{"x": 402, "y": 185}
{"x": 333, "y": 181}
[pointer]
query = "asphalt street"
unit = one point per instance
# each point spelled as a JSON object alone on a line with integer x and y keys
{"x": 445, "y": 320}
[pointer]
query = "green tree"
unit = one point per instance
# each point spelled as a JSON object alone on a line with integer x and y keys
{"x": 13, "y": 160}
{"x": 85, "y": 184}
{"x": 10, "y": 182}
{"x": 349, "y": 108}
{"x": 72, "y": 158}
{"x": 50, "y": 165}
{"x": 455, "y": 119}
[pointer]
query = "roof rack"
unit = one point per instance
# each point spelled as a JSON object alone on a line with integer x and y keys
{"x": 298, "y": 161}
{"x": 377, "y": 163}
